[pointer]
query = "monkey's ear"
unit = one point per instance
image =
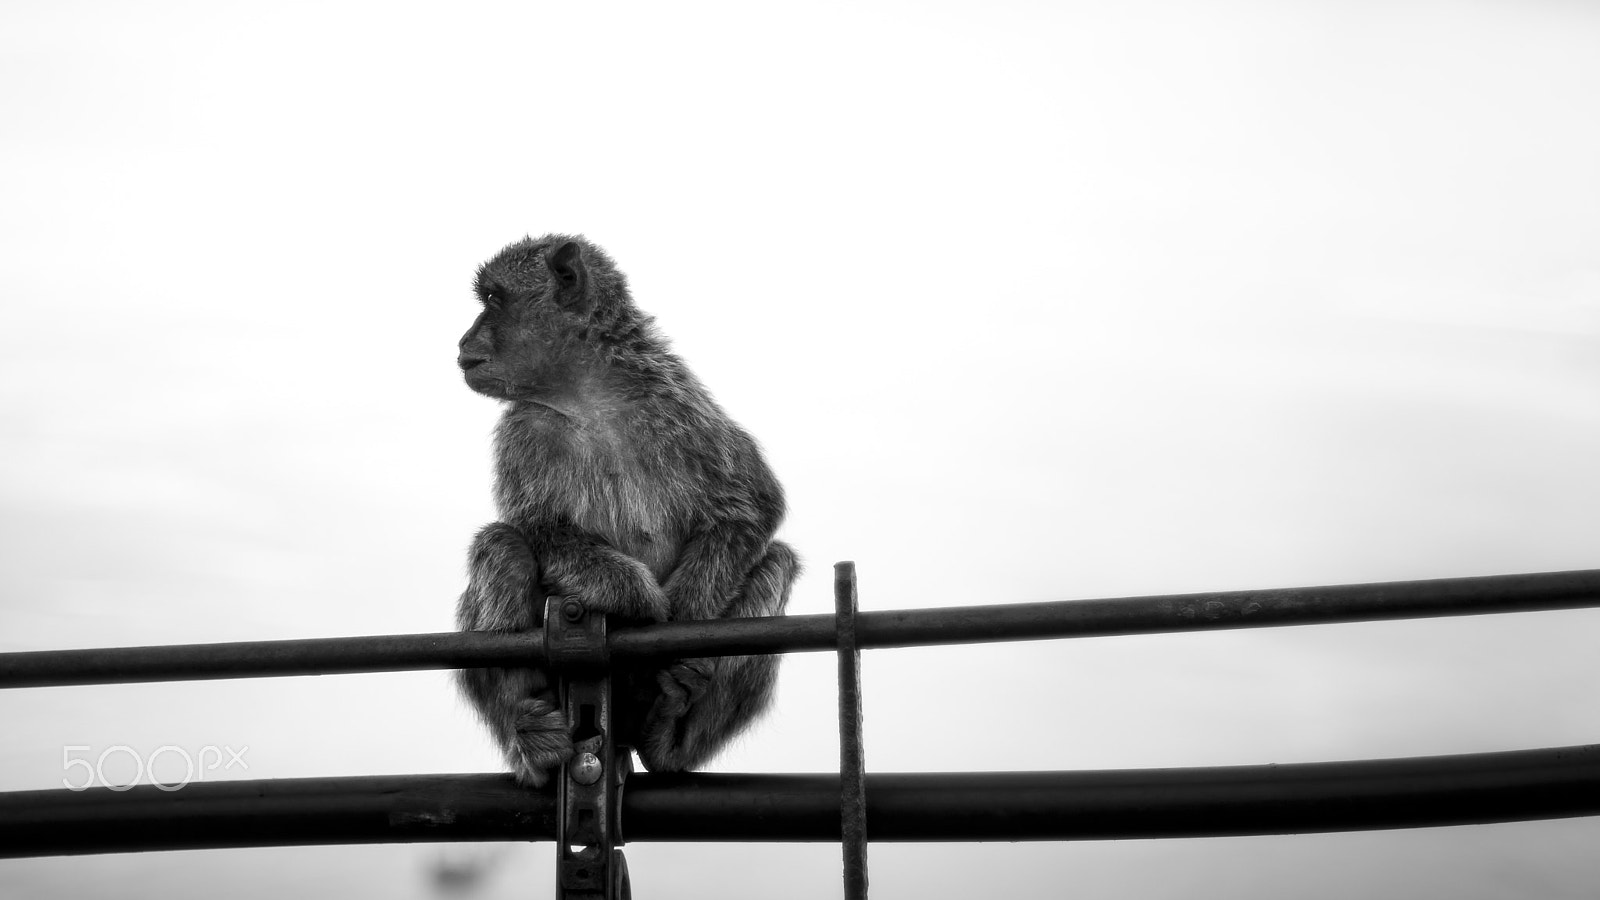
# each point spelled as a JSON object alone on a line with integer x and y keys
{"x": 572, "y": 278}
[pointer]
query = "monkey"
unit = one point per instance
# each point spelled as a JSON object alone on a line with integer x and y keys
{"x": 621, "y": 482}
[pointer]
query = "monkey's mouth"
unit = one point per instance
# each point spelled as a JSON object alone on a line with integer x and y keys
{"x": 468, "y": 363}
{"x": 481, "y": 380}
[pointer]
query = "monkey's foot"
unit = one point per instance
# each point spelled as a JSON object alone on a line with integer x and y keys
{"x": 540, "y": 743}
{"x": 681, "y": 683}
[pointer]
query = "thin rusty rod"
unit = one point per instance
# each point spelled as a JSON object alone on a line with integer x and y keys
{"x": 898, "y": 628}
{"x": 1510, "y": 786}
{"x": 852, "y": 753}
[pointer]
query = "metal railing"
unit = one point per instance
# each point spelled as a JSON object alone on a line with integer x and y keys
{"x": 1341, "y": 796}
{"x": 790, "y": 634}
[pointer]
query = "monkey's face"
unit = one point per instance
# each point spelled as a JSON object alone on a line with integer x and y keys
{"x": 503, "y": 354}
{"x": 527, "y": 342}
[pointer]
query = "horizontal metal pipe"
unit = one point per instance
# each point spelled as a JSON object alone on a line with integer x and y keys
{"x": 1131, "y": 615}
{"x": 278, "y": 812}
{"x": 1002, "y": 806}
{"x": 1128, "y": 803}
{"x": 255, "y": 659}
{"x": 898, "y": 628}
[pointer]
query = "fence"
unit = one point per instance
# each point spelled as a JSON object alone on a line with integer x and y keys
{"x": 599, "y": 804}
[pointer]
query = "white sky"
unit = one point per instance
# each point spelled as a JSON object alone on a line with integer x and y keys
{"x": 1026, "y": 301}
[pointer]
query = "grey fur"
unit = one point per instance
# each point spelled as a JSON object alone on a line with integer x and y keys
{"x": 620, "y": 481}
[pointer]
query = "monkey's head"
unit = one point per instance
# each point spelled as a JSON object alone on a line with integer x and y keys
{"x": 554, "y": 309}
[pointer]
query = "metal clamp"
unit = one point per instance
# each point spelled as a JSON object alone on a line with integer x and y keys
{"x": 589, "y": 861}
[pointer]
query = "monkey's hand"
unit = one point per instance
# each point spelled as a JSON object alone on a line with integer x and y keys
{"x": 575, "y": 564}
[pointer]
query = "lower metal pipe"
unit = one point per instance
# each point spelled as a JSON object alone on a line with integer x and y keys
{"x": 989, "y": 806}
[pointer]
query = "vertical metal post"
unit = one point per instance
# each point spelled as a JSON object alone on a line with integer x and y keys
{"x": 852, "y": 765}
{"x": 589, "y": 864}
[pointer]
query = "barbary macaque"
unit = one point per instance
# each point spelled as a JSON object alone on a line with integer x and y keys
{"x": 620, "y": 482}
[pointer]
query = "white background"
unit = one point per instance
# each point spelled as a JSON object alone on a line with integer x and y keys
{"x": 1026, "y": 301}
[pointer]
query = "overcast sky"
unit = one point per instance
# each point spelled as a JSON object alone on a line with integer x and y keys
{"x": 1025, "y": 301}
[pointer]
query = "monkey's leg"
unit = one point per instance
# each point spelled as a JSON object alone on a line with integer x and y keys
{"x": 704, "y": 703}
{"x": 518, "y": 705}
